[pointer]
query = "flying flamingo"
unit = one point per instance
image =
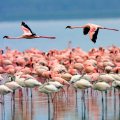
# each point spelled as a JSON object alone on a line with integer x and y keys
{"x": 28, "y": 34}
{"x": 91, "y": 29}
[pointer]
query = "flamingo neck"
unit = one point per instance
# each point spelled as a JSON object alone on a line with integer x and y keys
{"x": 14, "y": 37}
{"x": 72, "y": 27}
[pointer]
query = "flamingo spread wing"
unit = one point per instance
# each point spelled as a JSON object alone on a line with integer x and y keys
{"x": 93, "y": 34}
{"x": 26, "y": 29}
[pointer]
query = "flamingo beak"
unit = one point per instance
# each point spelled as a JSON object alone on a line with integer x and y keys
{"x": 5, "y": 37}
{"x": 68, "y": 27}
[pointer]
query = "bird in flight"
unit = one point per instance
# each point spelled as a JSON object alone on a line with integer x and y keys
{"x": 92, "y": 30}
{"x": 28, "y": 34}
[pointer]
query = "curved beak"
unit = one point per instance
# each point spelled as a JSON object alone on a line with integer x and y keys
{"x": 68, "y": 26}
{"x": 5, "y": 37}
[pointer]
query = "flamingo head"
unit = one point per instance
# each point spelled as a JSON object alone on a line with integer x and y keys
{"x": 5, "y": 37}
{"x": 68, "y": 27}
{"x": 22, "y": 23}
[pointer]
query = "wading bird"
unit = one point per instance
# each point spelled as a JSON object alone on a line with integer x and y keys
{"x": 91, "y": 29}
{"x": 28, "y": 34}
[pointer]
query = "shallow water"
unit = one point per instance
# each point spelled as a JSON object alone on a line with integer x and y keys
{"x": 66, "y": 106}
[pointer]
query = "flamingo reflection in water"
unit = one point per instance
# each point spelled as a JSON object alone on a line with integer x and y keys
{"x": 80, "y": 83}
{"x": 116, "y": 85}
{"x": 102, "y": 86}
{"x": 49, "y": 88}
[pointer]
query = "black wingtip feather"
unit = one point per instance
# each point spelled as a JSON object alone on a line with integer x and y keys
{"x": 95, "y": 36}
{"x": 25, "y": 25}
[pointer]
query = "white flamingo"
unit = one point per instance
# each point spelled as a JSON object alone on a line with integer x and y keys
{"x": 4, "y": 90}
{"x": 56, "y": 84}
{"x": 116, "y": 84}
{"x": 20, "y": 80}
{"x": 12, "y": 84}
{"x": 31, "y": 83}
{"x": 81, "y": 84}
{"x": 75, "y": 78}
{"x": 101, "y": 86}
{"x": 49, "y": 88}
{"x": 106, "y": 78}
{"x": 115, "y": 76}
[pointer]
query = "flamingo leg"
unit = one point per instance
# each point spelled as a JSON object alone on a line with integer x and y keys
{"x": 31, "y": 92}
{"x": 76, "y": 96}
{"x": 106, "y": 105}
{"x": 64, "y": 93}
{"x": 102, "y": 105}
{"x": 48, "y": 106}
{"x": 54, "y": 97}
{"x": 1, "y": 100}
{"x": 114, "y": 103}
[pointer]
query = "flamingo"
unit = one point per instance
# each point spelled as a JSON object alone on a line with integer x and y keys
{"x": 75, "y": 78}
{"x": 91, "y": 29}
{"x": 49, "y": 88}
{"x": 79, "y": 82}
{"x": 12, "y": 84}
{"x": 31, "y": 83}
{"x": 82, "y": 84}
{"x": 56, "y": 84}
{"x": 4, "y": 90}
{"x": 28, "y": 34}
{"x": 116, "y": 84}
{"x": 102, "y": 86}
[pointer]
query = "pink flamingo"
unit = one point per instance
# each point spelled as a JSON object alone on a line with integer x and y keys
{"x": 91, "y": 29}
{"x": 28, "y": 34}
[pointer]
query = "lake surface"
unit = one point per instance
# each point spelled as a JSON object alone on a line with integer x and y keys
{"x": 65, "y": 106}
{"x": 57, "y": 28}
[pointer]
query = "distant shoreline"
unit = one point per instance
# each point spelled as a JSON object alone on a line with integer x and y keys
{"x": 62, "y": 16}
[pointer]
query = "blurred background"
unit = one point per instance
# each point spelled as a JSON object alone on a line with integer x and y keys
{"x": 58, "y": 9}
{"x": 50, "y": 17}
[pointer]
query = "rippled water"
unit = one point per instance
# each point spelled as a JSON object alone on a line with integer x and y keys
{"x": 64, "y": 106}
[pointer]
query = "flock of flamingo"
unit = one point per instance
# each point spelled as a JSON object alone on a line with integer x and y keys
{"x": 98, "y": 69}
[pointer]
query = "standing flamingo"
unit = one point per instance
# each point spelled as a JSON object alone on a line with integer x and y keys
{"x": 102, "y": 86}
{"x": 28, "y": 34}
{"x": 91, "y": 29}
{"x": 4, "y": 90}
